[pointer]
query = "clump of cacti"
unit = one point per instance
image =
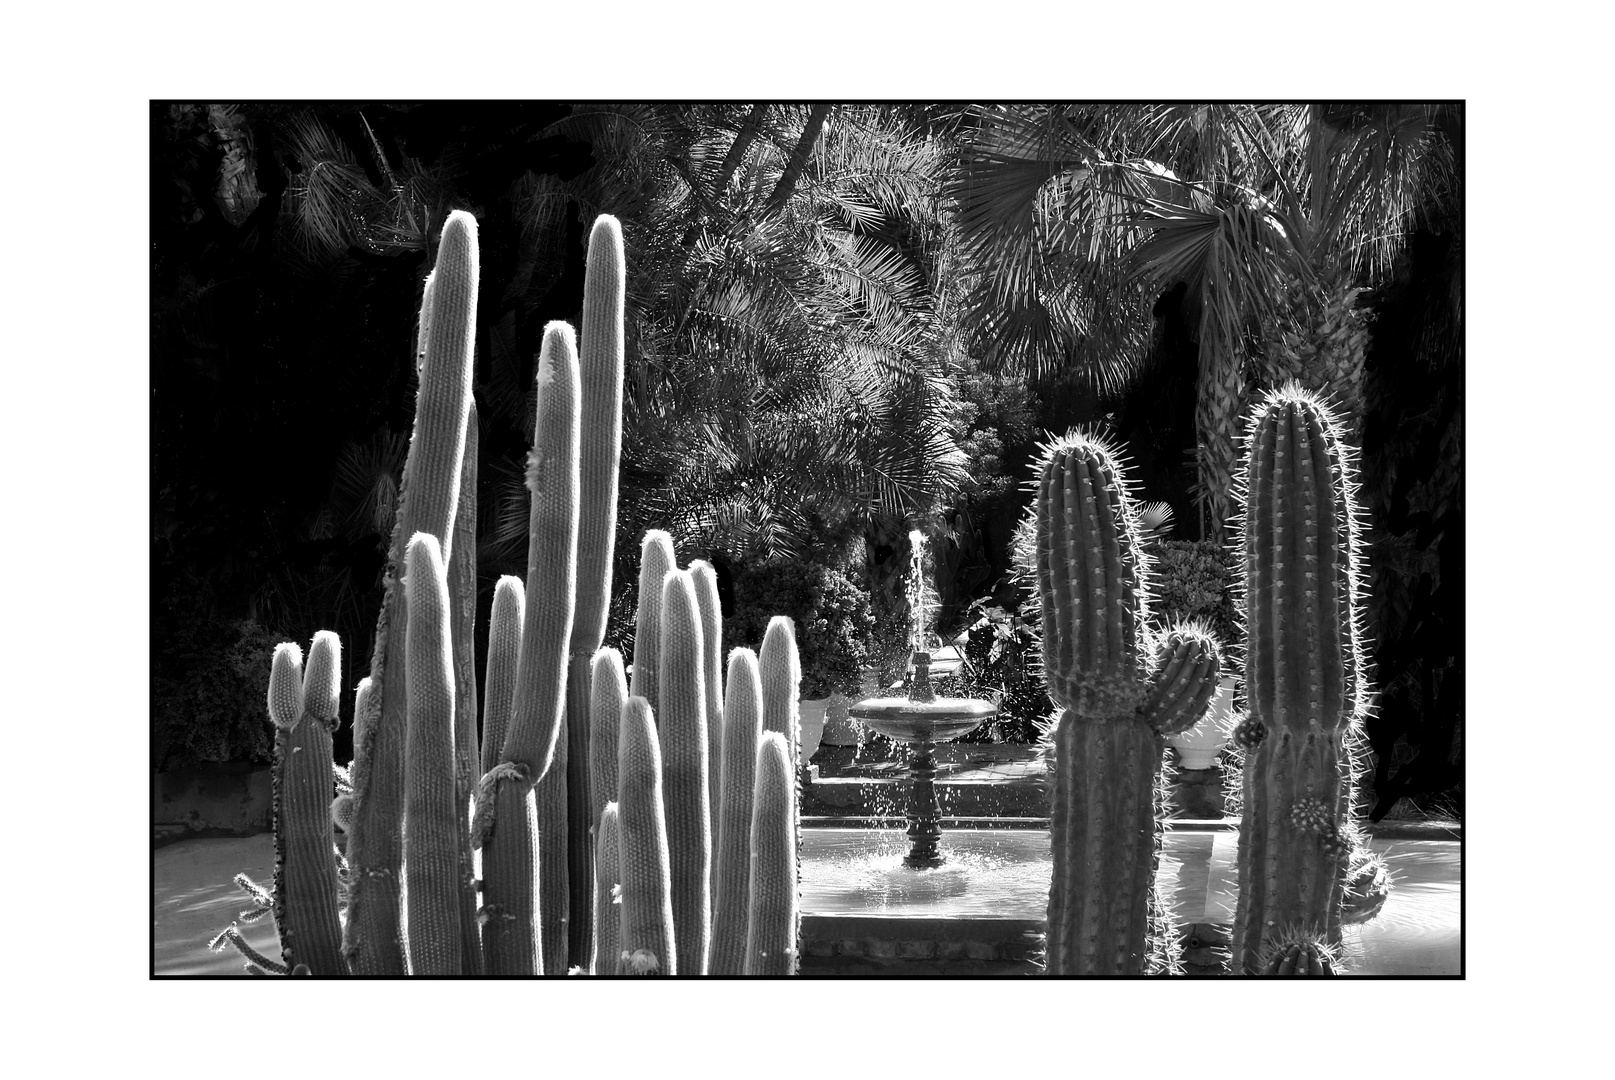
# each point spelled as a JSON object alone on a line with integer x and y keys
{"x": 1121, "y": 690}
{"x": 1304, "y": 679}
{"x": 555, "y": 707}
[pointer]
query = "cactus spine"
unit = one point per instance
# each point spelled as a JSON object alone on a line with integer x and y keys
{"x": 428, "y": 500}
{"x": 303, "y": 707}
{"x": 1119, "y": 695}
{"x": 771, "y": 922}
{"x": 647, "y": 941}
{"x": 682, "y": 683}
{"x": 1303, "y": 675}
{"x": 743, "y": 727}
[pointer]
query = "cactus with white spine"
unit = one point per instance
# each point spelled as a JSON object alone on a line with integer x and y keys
{"x": 772, "y": 908}
{"x": 532, "y": 741}
{"x": 428, "y": 501}
{"x": 731, "y": 870}
{"x": 608, "y": 871}
{"x": 1120, "y": 693}
{"x": 646, "y": 944}
{"x": 1304, "y": 679}
{"x": 682, "y": 728}
{"x": 432, "y": 811}
{"x": 600, "y": 371}
{"x": 303, "y": 707}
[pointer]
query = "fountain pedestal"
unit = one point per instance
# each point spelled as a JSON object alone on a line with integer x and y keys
{"x": 922, "y": 720}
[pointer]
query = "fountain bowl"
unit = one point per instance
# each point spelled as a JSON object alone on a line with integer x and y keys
{"x": 922, "y": 721}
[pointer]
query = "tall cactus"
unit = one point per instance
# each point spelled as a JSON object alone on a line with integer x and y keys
{"x": 731, "y": 873}
{"x": 656, "y": 560}
{"x": 608, "y": 924}
{"x": 532, "y": 740}
{"x": 1120, "y": 693}
{"x": 303, "y": 707}
{"x": 772, "y": 909}
{"x": 705, "y": 579}
{"x": 1304, "y": 675}
{"x": 428, "y": 501}
{"x": 600, "y": 370}
{"x": 432, "y": 811}
{"x": 646, "y": 940}
{"x": 682, "y": 685}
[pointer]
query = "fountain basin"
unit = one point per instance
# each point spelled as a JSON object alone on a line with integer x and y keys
{"x": 922, "y": 721}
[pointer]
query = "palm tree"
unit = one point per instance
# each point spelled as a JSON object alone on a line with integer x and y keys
{"x": 1271, "y": 218}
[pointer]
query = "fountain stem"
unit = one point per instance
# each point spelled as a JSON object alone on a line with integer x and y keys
{"x": 924, "y": 832}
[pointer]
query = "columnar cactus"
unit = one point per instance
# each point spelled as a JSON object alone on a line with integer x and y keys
{"x": 428, "y": 501}
{"x": 608, "y": 924}
{"x": 600, "y": 371}
{"x": 432, "y": 812}
{"x": 1303, "y": 674}
{"x": 607, "y": 694}
{"x": 1120, "y": 694}
{"x": 771, "y": 922}
{"x": 656, "y": 559}
{"x": 705, "y": 579}
{"x": 467, "y": 754}
{"x": 647, "y": 941}
{"x": 532, "y": 740}
{"x": 682, "y": 726}
{"x": 743, "y": 727}
{"x": 303, "y": 707}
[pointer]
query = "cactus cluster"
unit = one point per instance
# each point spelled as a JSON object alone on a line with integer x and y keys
{"x": 593, "y": 803}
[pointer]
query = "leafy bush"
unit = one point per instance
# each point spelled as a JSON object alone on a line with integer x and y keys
{"x": 833, "y": 620}
{"x": 1194, "y": 580}
{"x": 1001, "y": 665}
{"x": 209, "y": 697}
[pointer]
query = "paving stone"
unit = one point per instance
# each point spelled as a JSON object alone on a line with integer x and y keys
{"x": 916, "y": 950}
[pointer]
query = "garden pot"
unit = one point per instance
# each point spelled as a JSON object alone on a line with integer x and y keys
{"x": 839, "y": 729}
{"x": 1198, "y": 747}
{"x": 812, "y": 712}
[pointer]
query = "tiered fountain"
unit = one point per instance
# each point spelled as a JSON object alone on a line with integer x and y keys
{"x": 922, "y": 720}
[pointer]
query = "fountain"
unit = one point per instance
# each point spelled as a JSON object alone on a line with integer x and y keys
{"x": 921, "y": 720}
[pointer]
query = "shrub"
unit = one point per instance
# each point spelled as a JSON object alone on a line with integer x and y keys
{"x": 1194, "y": 580}
{"x": 1001, "y": 664}
{"x": 833, "y": 620}
{"x": 208, "y": 700}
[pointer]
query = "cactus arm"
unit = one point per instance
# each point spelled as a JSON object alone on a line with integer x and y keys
{"x": 1184, "y": 680}
{"x": 432, "y": 938}
{"x": 427, "y": 502}
{"x": 607, "y": 941}
{"x": 656, "y": 561}
{"x": 771, "y": 923}
{"x": 647, "y": 895}
{"x": 682, "y": 683}
{"x": 743, "y": 727}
